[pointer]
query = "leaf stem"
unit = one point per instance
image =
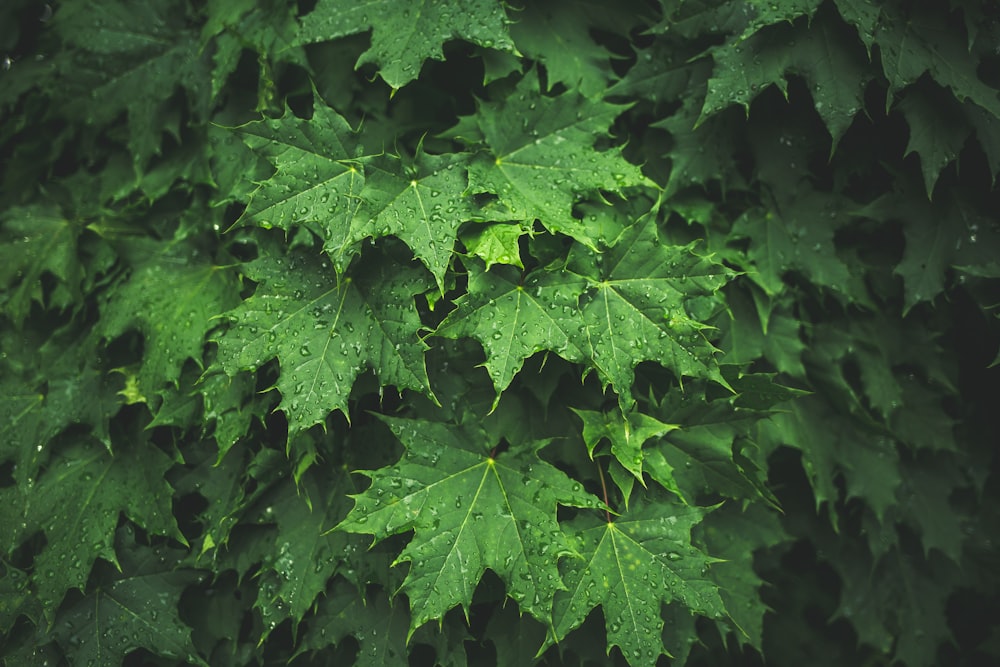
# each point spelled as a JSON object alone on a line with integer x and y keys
{"x": 604, "y": 490}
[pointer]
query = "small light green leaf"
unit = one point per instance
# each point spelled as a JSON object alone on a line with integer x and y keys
{"x": 495, "y": 243}
{"x": 626, "y": 437}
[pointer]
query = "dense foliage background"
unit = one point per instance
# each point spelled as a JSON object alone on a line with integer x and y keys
{"x": 631, "y": 333}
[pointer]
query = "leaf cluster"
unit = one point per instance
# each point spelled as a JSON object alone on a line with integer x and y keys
{"x": 476, "y": 332}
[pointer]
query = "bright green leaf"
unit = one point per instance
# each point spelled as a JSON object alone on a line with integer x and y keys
{"x": 469, "y": 512}
{"x": 631, "y": 568}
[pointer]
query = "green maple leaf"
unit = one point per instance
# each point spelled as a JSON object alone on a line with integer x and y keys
{"x": 422, "y": 204}
{"x": 513, "y": 321}
{"x": 823, "y": 52}
{"x": 173, "y": 300}
{"x": 77, "y": 500}
{"x": 325, "y": 329}
{"x": 469, "y": 512}
{"x": 632, "y": 567}
{"x": 380, "y": 627}
{"x": 833, "y": 445}
{"x": 47, "y": 388}
{"x": 928, "y": 42}
{"x": 794, "y": 237}
{"x": 403, "y": 37}
{"x": 640, "y": 304}
{"x": 306, "y": 553}
{"x": 946, "y": 232}
{"x": 626, "y": 436}
{"x": 37, "y": 240}
{"x": 610, "y": 311}
{"x": 735, "y": 536}
{"x": 495, "y": 243}
{"x": 317, "y": 179}
{"x": 559, "y": 33}
{"x": 324, "y": 182}
{"x": 539, "y": 156}
{"x": 131, "y": 59}
{"x": 938, "y": 130}
{"x": 137, "y": 610}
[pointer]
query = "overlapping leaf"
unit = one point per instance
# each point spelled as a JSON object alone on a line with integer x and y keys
{"x": 139, "y": 610}
{"x": 131, "y": 59}
{"x": 799, "y": 237}
{"x": 317, "y": 179}
{"x": 379, "y": 626}
{"x": 626, "y": 436}
{"x": 631, "y": 568}
{"x": 734, "y": 536}
{"x": 823, "y": 51}
{"x": 611, "y": 312}
{"x": 325, "y": 330}
{"x": 37, "y": 240}
{"x": 540, "y": 157}
{"x": 324, "y": 181}
{"x": 928, "y": 41}
{"x": 560, "y": 34}
{"x": 307, "y": 554}
{"x": 403, "y": 37}
{"x": 173, "y": 301}
{"x": 469, "y": 512}
{"x": 76, "y": 502}
{"x": 46, "y": 388}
